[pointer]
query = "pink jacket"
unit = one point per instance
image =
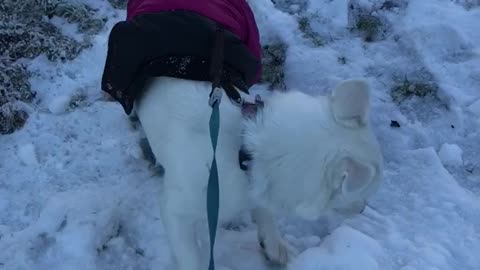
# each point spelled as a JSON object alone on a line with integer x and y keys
{"x": 234, "y": 15}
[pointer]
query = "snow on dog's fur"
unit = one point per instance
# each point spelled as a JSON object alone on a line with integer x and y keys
{"x": 310, "y": 155}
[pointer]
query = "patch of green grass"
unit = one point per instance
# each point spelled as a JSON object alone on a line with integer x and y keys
{"x": 77, "y": 101}
{"x": 370, "y": 26}
{"x": 25, "y": 33}
{"x": 11, "y": 118}
{"x": 273, "y": 62}
{"x": 408, "y": 88}
{"x": 15, "y": 85}
{"x": 81, "y": 14}
{"x": 119, "y": 4}
{"x": 305, "y": 26}
{"x": 14, "y": 88}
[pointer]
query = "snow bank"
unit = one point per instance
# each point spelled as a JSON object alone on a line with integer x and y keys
{"x": 344, "y": 249}
{"x": 451, "y": 154}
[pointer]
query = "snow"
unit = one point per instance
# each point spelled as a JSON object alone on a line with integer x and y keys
{"x": 27, "y": 154}
{"x": 59, "y": 104}
{"x": 451, "y": 154}
{"x": 475, "y": 108}
{"x": 345, "y": 242}
{"x": 75, "y": 192}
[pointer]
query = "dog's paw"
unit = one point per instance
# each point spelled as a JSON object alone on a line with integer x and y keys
{"x": 276, "y": 250}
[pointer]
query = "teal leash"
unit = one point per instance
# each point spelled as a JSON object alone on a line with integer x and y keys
{"x": 213, "y": 189}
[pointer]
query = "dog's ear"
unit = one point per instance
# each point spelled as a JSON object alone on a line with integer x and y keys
{"x": 356, "y": 175}
{"x": 350, "y": 102}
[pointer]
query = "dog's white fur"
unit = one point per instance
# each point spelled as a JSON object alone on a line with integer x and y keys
{"x": 310, "y": 155}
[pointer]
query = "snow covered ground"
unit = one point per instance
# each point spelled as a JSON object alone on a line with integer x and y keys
{"x": 76, "y": 194}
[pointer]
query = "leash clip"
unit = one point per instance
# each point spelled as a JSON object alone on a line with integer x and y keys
{"x": 215, "y": 96}
{"x": 259, "y": 102}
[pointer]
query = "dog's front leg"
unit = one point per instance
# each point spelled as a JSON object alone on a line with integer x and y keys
{"x": 181, "y": 234}
{"x": 274, "y": 247}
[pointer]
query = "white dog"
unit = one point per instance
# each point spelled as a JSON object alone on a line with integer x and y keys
{"x": 310, "y": 154}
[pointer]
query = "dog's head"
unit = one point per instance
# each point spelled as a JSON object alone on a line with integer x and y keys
{"x": 313, "y": 154}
